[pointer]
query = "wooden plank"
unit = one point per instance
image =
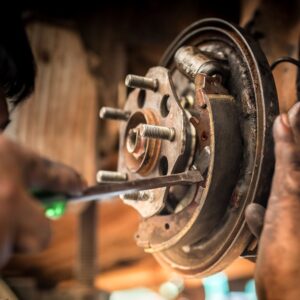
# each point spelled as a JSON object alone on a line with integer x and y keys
{"x": 59, "y": 121}
{"x": 60, "y": 118}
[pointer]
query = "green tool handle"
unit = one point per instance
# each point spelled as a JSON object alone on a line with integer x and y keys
{"x": 54, "y": 204}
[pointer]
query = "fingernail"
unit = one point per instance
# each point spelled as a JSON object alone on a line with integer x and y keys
{"x": 285, "y": 120}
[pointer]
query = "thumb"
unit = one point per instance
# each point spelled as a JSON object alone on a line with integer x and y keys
{"x": 255, "y": 214}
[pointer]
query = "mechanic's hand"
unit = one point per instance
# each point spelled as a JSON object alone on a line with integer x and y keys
{"x": 278, "y": 261}
{"x": 23, "y": 226}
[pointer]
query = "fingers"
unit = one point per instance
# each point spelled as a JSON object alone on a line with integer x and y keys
{"x": 36, "y": 171}
{"x": 294, "y": 119}
{"x": 33, "y": 230}
{"x": 287, "y": 152}
{"x": 280, "y": 237}
{"x": 282, "y": 131}
{"x": 53, "y": 176}
{"x": 23, "y": 226}
{"x": 255, "y": 214}
{"x": 286, "y": 148}
{"x": 286, "y": 127}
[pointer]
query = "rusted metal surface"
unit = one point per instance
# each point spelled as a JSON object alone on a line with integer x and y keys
{"x": 191, "y": 61}
{"x": 162, "y": 232}
{"x": 252, "y": 86}
{"x": 150, "y": 107}
{"x": 222, "y": 122}
{"x": 141, "y": 154}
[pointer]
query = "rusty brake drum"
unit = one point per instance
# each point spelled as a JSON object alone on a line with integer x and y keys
{"x": 208, "y": 106}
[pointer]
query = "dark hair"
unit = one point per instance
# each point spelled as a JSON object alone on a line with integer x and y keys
{"x": 17, "y": 67}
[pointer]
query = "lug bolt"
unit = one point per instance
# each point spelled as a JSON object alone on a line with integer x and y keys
{"x": 110, "y": 176}
{"x": 141, "y": 82}
{"x": 114, "y": 114}
{"x": 157, "y": 132}
{"x": 137, "y": 196}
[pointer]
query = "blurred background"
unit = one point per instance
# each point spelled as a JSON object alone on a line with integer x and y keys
{"x": 83, "y": 53}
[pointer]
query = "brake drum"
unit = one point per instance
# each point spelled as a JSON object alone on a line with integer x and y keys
{"x": 208, "y": 106}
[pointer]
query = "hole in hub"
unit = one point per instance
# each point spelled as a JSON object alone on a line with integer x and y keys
{"x": 163, "y": 166}
{"x": 165, "y": 106}
{"x": 132, "y": 140}
{"x": 141, "y": 98}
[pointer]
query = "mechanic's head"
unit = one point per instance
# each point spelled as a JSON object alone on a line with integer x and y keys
{"x": 17, "y": 68}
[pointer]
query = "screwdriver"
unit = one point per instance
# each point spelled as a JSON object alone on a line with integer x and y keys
{"x": 55, "y": 203}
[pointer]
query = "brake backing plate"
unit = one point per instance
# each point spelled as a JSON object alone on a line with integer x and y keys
{"x": 208, "y": 106}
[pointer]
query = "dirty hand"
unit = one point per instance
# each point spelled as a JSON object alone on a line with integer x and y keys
{"x": 23, "y": 227}
{"x": 278, "y": 261}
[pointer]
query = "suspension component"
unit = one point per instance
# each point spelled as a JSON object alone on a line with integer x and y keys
{"x": 209, "y": 107}
{"x": 191, "y": 61}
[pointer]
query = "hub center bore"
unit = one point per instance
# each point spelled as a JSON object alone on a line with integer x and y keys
{"x": 141, "y": 153}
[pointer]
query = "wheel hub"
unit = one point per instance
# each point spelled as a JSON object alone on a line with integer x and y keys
{"x": 209, "y": 106}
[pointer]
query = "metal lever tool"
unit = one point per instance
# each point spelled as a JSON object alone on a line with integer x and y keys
{"x": 55, "y": 204}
